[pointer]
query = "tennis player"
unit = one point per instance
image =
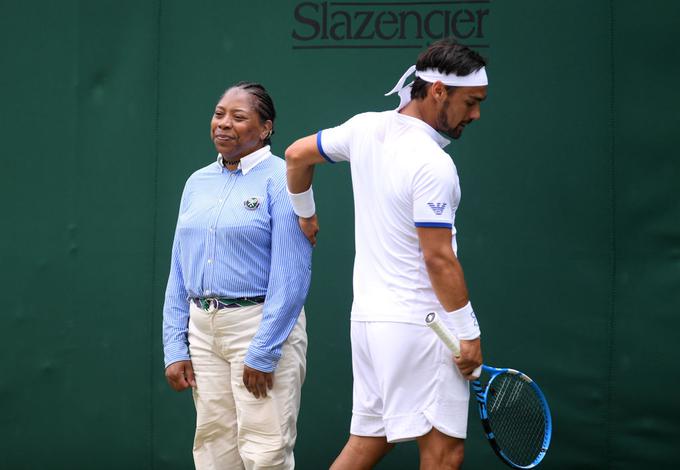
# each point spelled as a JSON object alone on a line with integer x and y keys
{"x": 406, "y": 193}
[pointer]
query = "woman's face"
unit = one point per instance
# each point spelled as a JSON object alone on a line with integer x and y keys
{"x": 236, "y": 128}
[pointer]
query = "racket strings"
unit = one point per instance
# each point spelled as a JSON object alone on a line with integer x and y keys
{"x": 516, "y": 417}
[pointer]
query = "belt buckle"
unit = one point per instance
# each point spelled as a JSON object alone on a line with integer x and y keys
{"x": 206, "y": 304}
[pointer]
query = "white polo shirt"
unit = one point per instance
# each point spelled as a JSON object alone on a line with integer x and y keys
{"x": 402, "y": 179}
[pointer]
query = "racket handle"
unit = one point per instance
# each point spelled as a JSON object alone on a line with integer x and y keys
{"x": 477, "y": 373}
{"x": 448, "y": 338}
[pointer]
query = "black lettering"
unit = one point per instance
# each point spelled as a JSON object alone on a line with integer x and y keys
{"x": 347, "y": 24}
{"x": 300, "y": 18}
{"x": 428, "y": 29}
{"x": 360, "y": 30}
{"x": 469, "y": 18}
{"x": 379, "y": 23}
{"x": 402, "y": 26}
{"x": 324, "y": 23}
{"x": 480, "y": 16}
{"x": 447, "y": 23}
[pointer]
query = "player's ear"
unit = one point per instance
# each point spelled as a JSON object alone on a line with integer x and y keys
{"x": 438, "y": 91}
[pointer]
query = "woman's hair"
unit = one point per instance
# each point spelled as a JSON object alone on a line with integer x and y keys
{"x": 264, "y": 105}
{"x": 447, "y": 56}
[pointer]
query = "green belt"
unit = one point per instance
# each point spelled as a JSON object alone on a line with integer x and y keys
{"x": 224, "y": 302}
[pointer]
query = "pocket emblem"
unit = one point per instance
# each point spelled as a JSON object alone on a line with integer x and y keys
{"x": 251, "y": 203}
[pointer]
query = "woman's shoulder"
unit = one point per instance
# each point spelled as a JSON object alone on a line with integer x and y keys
{"x": 204, "y": 172}
{"x": 273, "y": 167}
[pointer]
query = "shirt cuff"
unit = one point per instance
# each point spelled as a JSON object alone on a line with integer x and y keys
{"x": 262, "y": 360}
{"x": 434, "y": 224}
{"x": 175, "y": 352}
{"x": 321, "y": 150}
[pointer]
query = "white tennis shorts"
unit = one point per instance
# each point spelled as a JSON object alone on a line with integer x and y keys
{"x": 405, "y": 382}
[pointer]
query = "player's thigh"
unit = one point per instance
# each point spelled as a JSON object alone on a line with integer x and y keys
{"x": 420, "y": 384}
{"x": 405, "y": 358}
{"x": 440, "y": 451}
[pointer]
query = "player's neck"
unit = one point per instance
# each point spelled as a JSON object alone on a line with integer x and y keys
{"x": 419, "y": 110}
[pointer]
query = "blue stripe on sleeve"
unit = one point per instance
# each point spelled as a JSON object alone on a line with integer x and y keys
{"x": 320, "y": 147}
{"x": 434, "y": 224}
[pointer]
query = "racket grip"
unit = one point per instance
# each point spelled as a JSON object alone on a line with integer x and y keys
{"x": 477, "y": 373}
{"x": 448, "y": 338}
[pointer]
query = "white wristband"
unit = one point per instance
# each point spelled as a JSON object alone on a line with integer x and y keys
{"x": 464, "y": 322}
{"x": 303, "y": 203}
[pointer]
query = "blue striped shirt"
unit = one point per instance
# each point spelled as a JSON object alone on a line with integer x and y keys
{"x": 237, "y": 236}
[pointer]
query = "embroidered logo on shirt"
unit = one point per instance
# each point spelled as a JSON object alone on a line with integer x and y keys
{"x": 437, "y": 207}
{"x": 251, "y": 203}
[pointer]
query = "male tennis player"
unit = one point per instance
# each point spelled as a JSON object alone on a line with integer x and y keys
{"x": 405, "y": 196}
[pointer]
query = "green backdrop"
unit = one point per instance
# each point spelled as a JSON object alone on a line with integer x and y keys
{"x": 569, "y": 228}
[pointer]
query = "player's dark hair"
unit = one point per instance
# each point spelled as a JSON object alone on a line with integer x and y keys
{"x": 447, "y": 56}
{"x": 264, "y": 105}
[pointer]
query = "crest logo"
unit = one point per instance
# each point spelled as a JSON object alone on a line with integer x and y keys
{"x": 437, "y": 207}
{"x": 251, "y": 203}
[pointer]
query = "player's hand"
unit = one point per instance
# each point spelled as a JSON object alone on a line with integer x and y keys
{"x": 310, "y": 227}
{"x": 180, "y": 375}
{"x": 470, "y": 357}
{"x": 257, "y": 382}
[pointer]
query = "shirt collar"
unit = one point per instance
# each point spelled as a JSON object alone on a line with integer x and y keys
{"x": 436, "y": 136}
{"x": 251, "y": 160}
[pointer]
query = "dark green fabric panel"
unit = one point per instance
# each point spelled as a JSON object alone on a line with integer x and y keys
{"x": 38, "y": 125}
{"x": 115, "y": 205}
{"x": 645, "y": 409}
{"x": 78, "y": 123}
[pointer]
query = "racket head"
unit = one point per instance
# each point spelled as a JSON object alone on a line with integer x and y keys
{"x": 515, "y": 416}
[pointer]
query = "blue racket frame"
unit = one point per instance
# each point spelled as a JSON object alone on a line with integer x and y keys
{"x": 481, "y": 394}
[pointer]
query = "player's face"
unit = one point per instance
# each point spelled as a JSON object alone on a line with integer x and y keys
{"x": 236, "y": 128}
{"x": 460, "y": 108}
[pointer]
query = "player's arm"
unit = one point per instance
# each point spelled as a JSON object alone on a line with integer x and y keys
{"x": 301, "y": 157}
{"x": 448, "y": 282}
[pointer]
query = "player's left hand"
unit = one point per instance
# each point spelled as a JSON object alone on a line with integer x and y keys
{"x": 257, "y": 382}
{"x": 310, "y": 227}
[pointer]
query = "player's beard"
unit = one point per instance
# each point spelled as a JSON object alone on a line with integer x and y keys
{"x": 443, "y": 124}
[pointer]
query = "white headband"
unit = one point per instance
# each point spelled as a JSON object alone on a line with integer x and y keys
{"x": 477, "y": 78}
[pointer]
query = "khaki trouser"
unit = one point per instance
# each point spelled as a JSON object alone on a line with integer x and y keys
{"x": 235, "y": 430}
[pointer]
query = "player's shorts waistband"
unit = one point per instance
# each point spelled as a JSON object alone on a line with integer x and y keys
{"x": 206, "y": 303}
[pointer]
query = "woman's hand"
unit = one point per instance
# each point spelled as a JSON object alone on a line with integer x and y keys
{"x": 257, "y": 382}
{"x": 310, "y": 227}
{"x": 180, "y": 375}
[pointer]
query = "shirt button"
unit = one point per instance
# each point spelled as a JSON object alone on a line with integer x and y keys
{"x": 206, "y": 292}
{"x": 209, "y": 261}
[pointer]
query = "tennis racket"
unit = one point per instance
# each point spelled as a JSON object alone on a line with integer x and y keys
{"x": 514, "y": 412}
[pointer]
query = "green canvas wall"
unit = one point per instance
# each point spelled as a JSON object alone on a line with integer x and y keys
{"x": 569, "y": 226}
